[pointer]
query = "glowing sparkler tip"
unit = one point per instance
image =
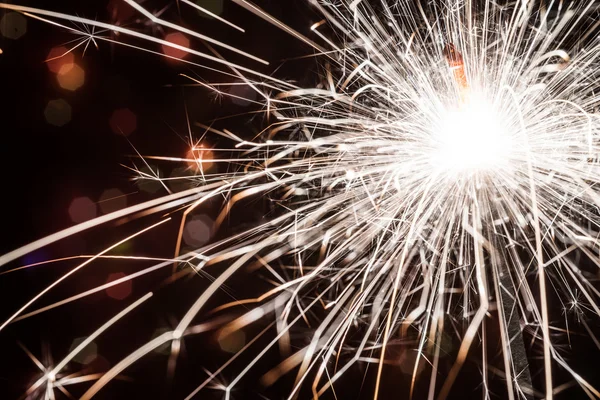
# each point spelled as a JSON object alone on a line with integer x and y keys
{"x": 472, "y": 138}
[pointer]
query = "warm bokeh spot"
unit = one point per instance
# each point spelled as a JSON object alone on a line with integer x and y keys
{"x": 58, "y": 58}
{"x": 232, "y": 341}
{"x": 57, "y": 112}
{"x": 70, "y": 76}
{"x": 120, "y": 11}
{"x": 87, "y": 354}
{"x": 179, "y": 39}
{"x": 13, "y": 25}
{"x": 181, "y": 178}
{"x": 199, "y": 158}
{"x": 123, "y": 121}
{"x": 198, "y": 230}
{"x": 149, "y": 179}
{"x": 112, "y": 200}
{"x": 120, "y": 291}
{"x": 82, "y": 209}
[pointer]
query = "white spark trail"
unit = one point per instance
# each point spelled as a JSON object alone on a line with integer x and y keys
{"x": 438, "y": 185}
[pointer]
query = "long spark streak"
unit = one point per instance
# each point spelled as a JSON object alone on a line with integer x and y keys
{"x": 440, "y": 183}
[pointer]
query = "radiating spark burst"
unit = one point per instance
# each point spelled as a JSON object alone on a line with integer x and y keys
{"x": 416, "y": 202}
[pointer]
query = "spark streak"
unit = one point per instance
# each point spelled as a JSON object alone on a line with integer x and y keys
{"x": 439, "y": 184}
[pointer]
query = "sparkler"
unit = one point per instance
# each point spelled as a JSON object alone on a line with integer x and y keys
{"x": 442, "y": 180}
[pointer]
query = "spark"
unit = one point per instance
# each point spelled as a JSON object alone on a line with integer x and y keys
{"x": 441, "y": 180}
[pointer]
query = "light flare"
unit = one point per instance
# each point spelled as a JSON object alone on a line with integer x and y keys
{"x": 472, "y": 138}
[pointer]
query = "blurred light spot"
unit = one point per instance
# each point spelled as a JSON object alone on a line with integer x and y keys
{"x": 214, "y": 6}
{"x": 87, "y": 354}
{"x": 179, "y": 39}
{"x": 57, "y": 112}
{"x": 124, "y": 248}
{"x": 123, "y": 121}
{"x": 232, "y": 341}
{"x": 407, "y": 361}
{"x": 33, "y": 258}
{"x": 147, "y": 181}
{"x": 82, "y": 209}
{"x": 13, "y": 25}
{"x": 70, "y": 77}
{"x": 120, "y": 11}
{"x": 58, "y": 58}
{"x": 180, "y": 179}
{"x": 242, "y": 94}
{"x": 112, "y": 200}
{"x": 197, "y": 230}
{"x": 120, "y": 291}
{"x": 200, "y": 158}
{"x": 98, "y": 364}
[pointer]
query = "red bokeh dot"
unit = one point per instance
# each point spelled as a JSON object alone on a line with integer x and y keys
{"x": 120, "y": 11}
{"x": 58, "y": 58}
{"x": 199, "y": 158}
{"x": 197, "y": 230}
{"x": 123, "y": 121}
{"x": 112, "y": 200}
{"x": 70, "y": 76}
{"x": 121, "y": 290}
{"x": 82, "y": 209}
{"x": 178, "y": 39}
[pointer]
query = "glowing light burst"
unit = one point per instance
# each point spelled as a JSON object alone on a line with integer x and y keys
{"x": 412, "y": 207}
{"x": 473, "y": 138}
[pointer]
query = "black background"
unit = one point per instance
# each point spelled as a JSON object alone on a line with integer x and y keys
{"x": 43, "y": 168}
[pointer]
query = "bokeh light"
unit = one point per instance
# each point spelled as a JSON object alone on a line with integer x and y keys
{"x": 120, "y": 291}
{"x": 82, "y": 209}
{"x": 198, "y": 230}
{"x": 179, "y": 39}
{"x": 199, "y": 158}
{"x": 123, "y": 121}
{"x": 87, "y": 354}
{"x": 13, "y": 25}
{"x": 98, "y": 364}
{"x": 120, "y": 11}
{"x": 57, "y": 112}
{"x": 37, "y": 256}
{"x": 181, "y": 178}
{"x": 407, "y": 361}
{"x": 70, "y": 76}
{"x": 148, "y": 181}
{"x": 58, "y": 58}
{"x": 124, "y": 248}
{"x": 232, "y": 341}
{"x": 112, "y": 200}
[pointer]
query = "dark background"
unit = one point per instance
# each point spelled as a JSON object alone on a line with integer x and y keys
{"x": 44, "y": 167}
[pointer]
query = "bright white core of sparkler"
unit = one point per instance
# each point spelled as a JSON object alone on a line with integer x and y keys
{"x": 394, "y": 109}
{"x": 472, "y": 138}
